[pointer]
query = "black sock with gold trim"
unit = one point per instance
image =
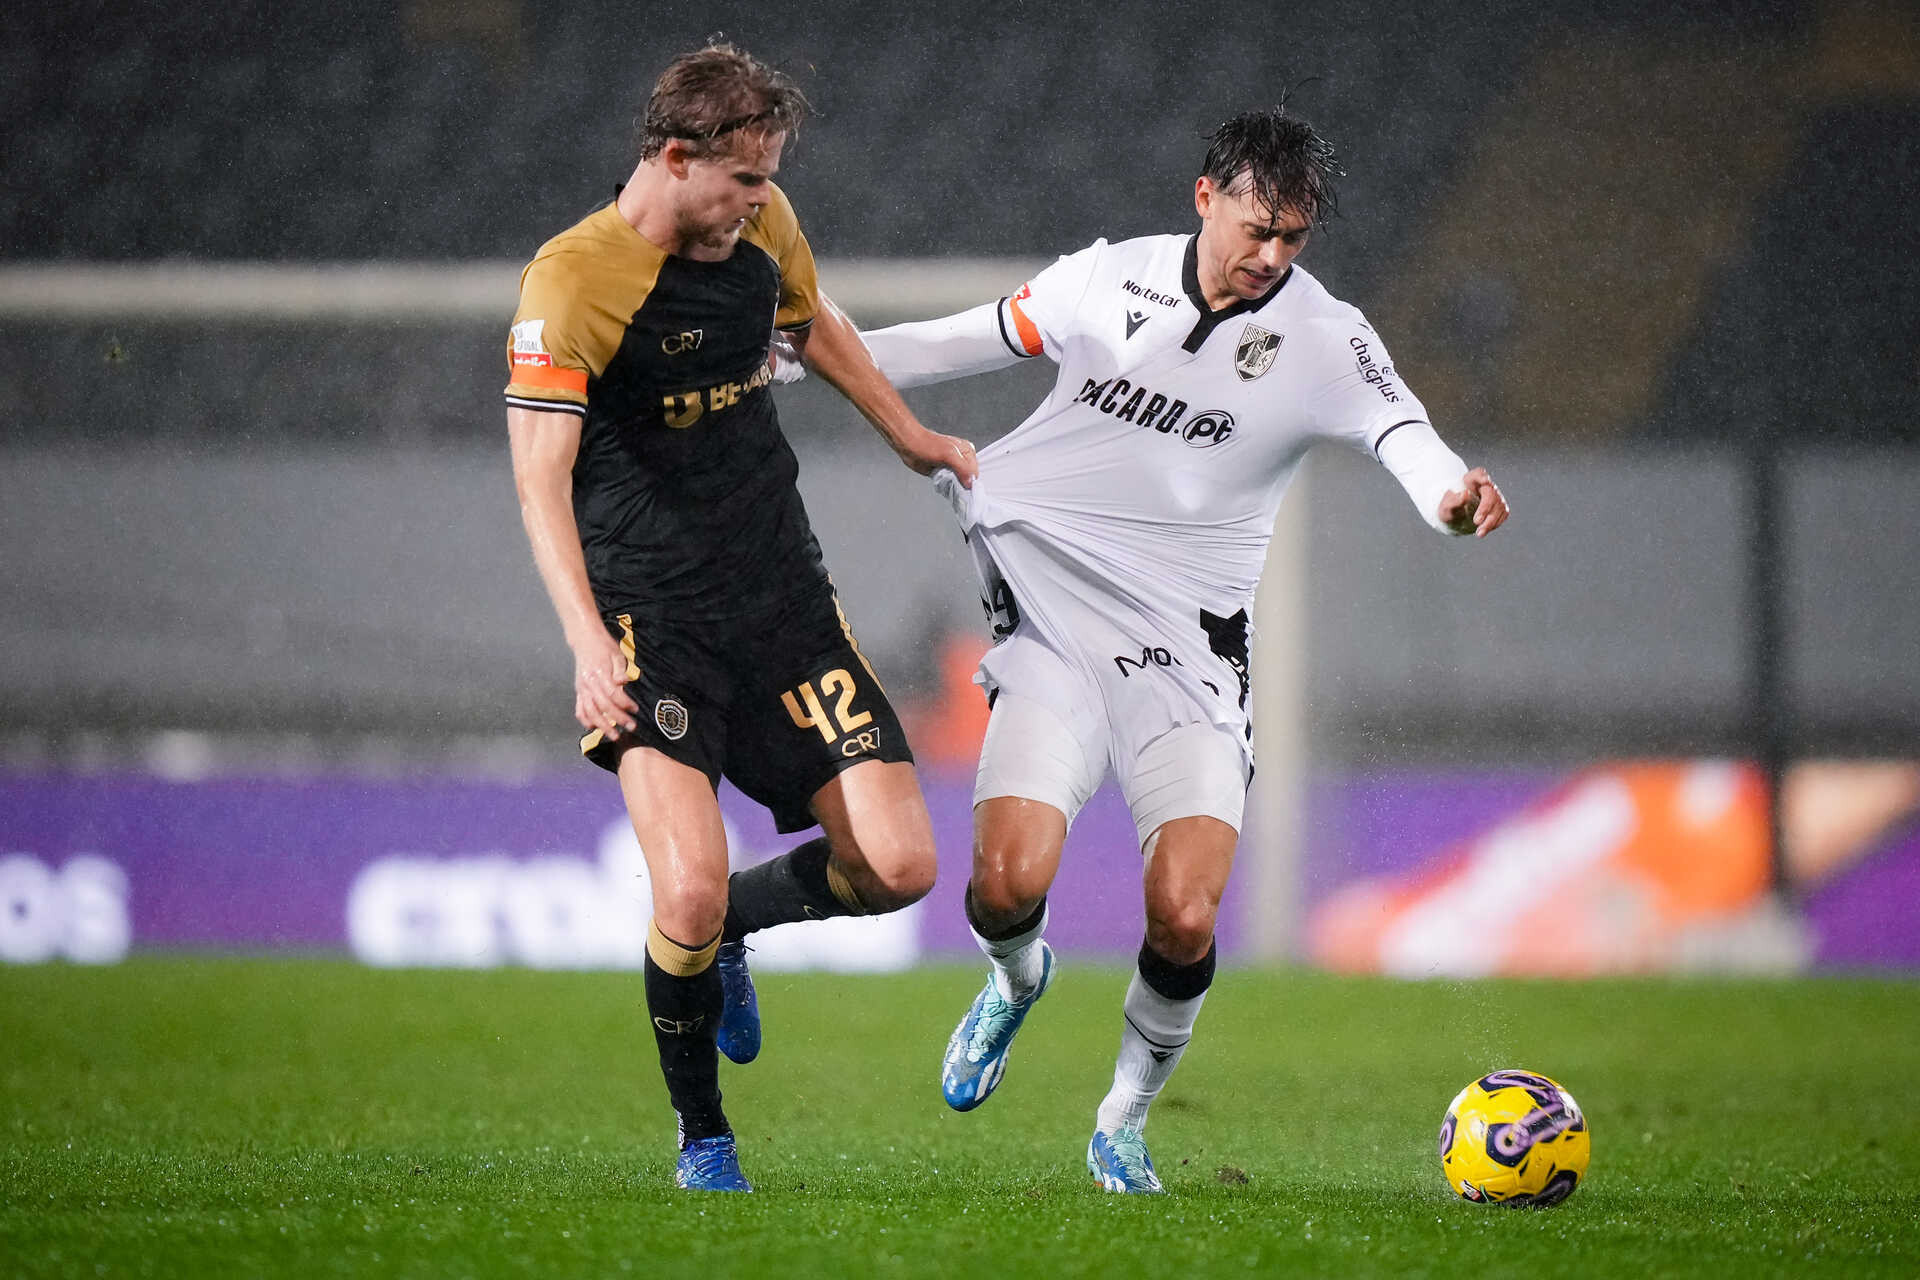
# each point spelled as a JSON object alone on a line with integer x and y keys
{"x": 801, "y": 885}
{"x": 683, "y": 1003}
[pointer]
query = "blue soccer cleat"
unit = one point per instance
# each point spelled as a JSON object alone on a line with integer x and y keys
{"x": 739, "y": 1032}
{"x": 710, "y": 1164}
{"x": 977, "y": 1052}
{"x": 1119, "y": 1161}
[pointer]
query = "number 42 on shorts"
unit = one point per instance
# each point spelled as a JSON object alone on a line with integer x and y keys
{"x": 808, "y": 712}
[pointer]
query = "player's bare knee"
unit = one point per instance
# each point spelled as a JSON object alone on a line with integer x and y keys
{"x": 690, "y": 914}
{"x": 913, "y": 874}
{"x": 1008, "y": 877}
{"x": 1006, "y": 894}
{"x": 900, "y": 879}
{"x": 887, "y": 870}
{"x": 1182, "y": 934}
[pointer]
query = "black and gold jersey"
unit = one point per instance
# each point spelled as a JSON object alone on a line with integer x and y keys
{"x": 684, "y": 486}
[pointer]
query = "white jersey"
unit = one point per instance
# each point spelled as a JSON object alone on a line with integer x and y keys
{"x": 1131, "y": 512}
{"x": 1172, "y": 431}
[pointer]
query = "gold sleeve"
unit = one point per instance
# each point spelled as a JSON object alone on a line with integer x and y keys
{"x": 546, "y": 348}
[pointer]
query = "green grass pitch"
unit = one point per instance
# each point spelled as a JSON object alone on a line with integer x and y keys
{"x": 280, "y": 1117}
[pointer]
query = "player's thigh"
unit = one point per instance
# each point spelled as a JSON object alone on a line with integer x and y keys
{"x": 1187, "y": 792}
{"x": 809, "y": 707}
{"x": 1192, "y": 770}
{"x": 1036, "y": 772}
{"x": 676, "y": 818}
{"x": 876, "y": 821}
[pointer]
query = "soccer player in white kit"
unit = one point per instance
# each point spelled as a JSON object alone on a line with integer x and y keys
{"x": 1119, "y": 534}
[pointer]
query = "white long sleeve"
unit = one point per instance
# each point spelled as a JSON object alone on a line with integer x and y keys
{"x": 1425, "y": 467}
{"x": 924, "y": 351}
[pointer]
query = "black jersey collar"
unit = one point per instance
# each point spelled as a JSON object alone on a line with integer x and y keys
{"x": 1209, "y": 318}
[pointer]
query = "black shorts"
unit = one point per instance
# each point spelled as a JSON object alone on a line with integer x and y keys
{"x": 779, "y": 703}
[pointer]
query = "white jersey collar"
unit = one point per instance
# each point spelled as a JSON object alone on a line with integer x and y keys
{"x": 1209, "y": 318}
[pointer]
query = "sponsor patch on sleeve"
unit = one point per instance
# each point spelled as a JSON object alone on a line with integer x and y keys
{"x": 529, "y": 345}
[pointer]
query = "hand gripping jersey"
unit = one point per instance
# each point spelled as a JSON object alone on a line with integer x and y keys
{"x": 1127, "y": 519}
{"x": 684, "y": 486}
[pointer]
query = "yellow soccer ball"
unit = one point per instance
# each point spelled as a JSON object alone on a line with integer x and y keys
{"x": 1514, "y": 1137}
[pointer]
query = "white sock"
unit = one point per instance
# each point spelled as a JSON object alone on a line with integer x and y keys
{"x": 1152, "y": 1038}
{"x": 1016, "y": 960}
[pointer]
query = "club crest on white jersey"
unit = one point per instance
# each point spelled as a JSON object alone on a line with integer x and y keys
{"x": 1254, "y": 356}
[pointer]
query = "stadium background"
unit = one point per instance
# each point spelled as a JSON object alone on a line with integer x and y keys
{"x": 279, "y": 674}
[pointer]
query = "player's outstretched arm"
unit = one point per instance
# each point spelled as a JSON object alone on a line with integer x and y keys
{"x": 923, "y": 351}
{"x": 832, "y": 348}
{"x": 544, "y": 447}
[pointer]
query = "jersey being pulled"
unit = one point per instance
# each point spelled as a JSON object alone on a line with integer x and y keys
{"x": 1141, "y": 494}
{"x": 684, "y": 487}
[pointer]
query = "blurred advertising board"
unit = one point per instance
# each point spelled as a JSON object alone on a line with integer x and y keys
{"x": 1628, "y": 867}
{"x": 445, "y": 873}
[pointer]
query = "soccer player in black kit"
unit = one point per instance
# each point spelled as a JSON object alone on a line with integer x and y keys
{"x": 658, "y": 493}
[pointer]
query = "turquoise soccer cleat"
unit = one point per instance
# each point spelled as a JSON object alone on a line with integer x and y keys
{"x": 977, "y": 1052}
{"x": 1119, "y": 1161}
{"x": 738, "y": 1034}
{"x": 710, "y": 1164}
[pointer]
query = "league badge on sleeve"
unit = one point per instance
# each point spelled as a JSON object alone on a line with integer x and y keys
{"x": 1254, "y": 355}
{"x": 529, "y": 344}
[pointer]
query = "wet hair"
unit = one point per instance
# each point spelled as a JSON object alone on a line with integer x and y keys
{"x": 1278, "y": 156}
{"x": 705, "y": 97}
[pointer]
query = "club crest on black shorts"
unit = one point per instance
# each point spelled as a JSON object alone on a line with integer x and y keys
{"x": 671, "y": 717}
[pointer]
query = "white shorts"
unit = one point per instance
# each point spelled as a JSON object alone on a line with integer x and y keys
{"x": 1091, "y": 671}
{"x": 1191, "y": 770}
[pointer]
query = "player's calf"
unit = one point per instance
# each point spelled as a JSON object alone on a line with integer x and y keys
{"x": 816, "y": 881}
{"x": 1162, "y": 1004}
{"x": 803, "y": 884}
{"x": 683, "y": 1004}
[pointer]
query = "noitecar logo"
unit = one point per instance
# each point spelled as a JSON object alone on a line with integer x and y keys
{"x": 1151, "y": 295}
{"x": 1145, "y": 407}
